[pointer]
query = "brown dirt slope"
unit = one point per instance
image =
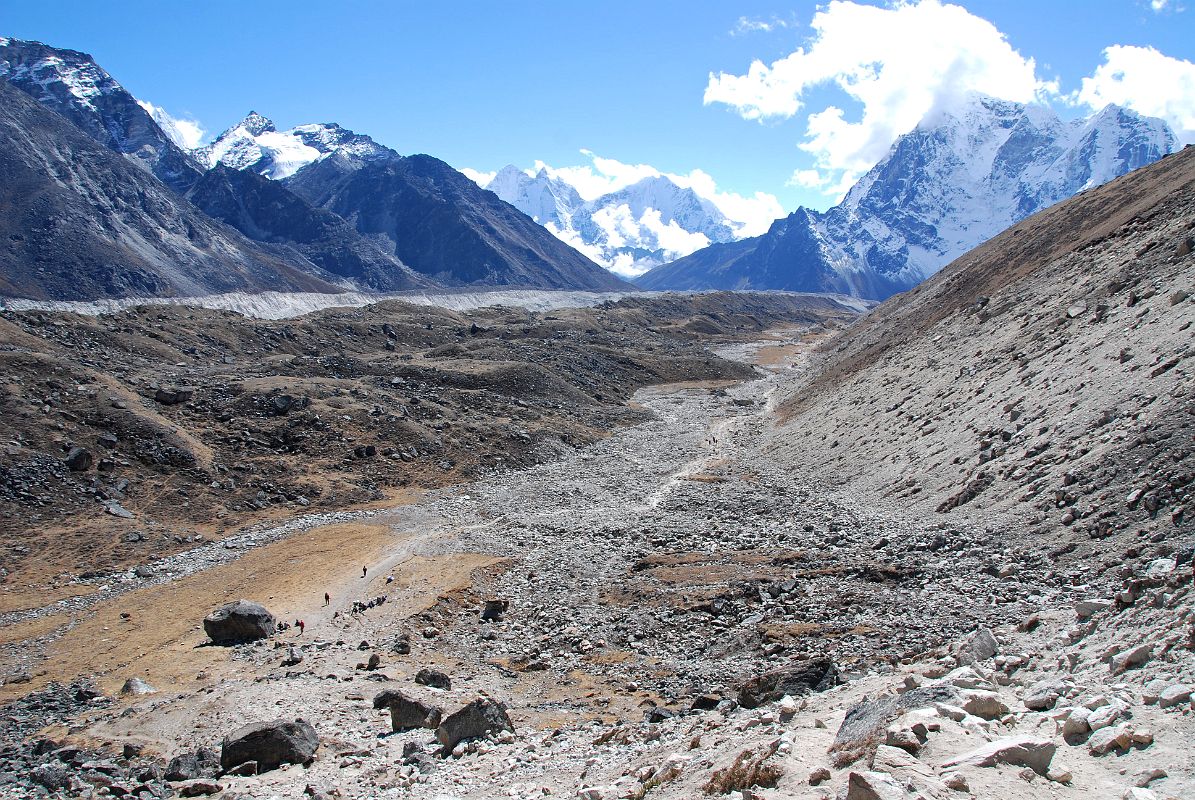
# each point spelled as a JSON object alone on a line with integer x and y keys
{"x": 1041, "y": 382}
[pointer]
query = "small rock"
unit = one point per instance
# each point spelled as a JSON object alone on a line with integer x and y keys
{"x": 1106, "y": 740}
{"x": 79, "y": 459}
{"x": 1085, "y": 609}
{"x": 199, "y": 787}
{"x": 819, "y": 776}
{"x": 1128, "y": 659}
{"x": 982, "y": 704}
{"x": 955, "y": 781}
{"x": 1174, "y": 695}
{"x": 871, "y": 786}
{"x": 979, "y": 646}
{"x": 136, "y": 687}
{"x": 1042, "y": 695}
{"x": 433, "y": 678}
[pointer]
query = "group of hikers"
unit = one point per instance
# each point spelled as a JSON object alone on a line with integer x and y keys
{"x": 357, "y": 608}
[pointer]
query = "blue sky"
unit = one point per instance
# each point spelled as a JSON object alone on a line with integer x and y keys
{"x": 483, "y": 84}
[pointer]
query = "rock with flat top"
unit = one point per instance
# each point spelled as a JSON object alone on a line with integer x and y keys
{"x": 983, "y": 704}
{"x": 1175, "y": 694}
{"x": 1133, "y": 657}
{"x": 1021, "y": 751}
{"x": 1042, "y": 695}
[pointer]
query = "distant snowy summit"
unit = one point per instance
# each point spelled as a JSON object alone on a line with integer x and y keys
{"x": 628, "y": 231}
{"x": 256, "y": 144}
{"x": 960, "y": 177}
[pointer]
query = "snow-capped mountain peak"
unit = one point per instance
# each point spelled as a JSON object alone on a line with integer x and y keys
{"x": 58, "y": 73}
{"x": 969, "y": 170}
{"x": 256, "y": 143}
{"x": 629, "y": 230}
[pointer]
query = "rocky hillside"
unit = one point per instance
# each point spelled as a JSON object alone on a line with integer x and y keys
{"x": 164, "y": 418}
{"x": 1043, "y": 378}
{"x": 73, "y": 85}
{"x": 83, "y": 222}
{"x": 960, "y": 177}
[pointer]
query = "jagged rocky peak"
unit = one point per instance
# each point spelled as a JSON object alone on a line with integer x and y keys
{"x": 256, "y": 143}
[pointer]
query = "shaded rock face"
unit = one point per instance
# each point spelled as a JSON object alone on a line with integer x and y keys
{"x": 241, "y": 621}
{"x": 202, "y": 763}
{"x": 407, "y": 712}
{"x": 446, "y": 227}
{"x": 266, "y": 211}
{"x": 808, "y": 676}
{"x": 82, "y": 222}
{"x": 270, "y": 744}
{"x": 479, "y": 718}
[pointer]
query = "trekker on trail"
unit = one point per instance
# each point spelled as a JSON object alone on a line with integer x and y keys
{"x": 364, "y": 571}
{"x": 301, "y": 625}
{"x": 327, "y": 598}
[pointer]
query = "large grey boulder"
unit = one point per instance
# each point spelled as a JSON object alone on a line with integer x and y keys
{"x": 479, "y": 718}
{"x": 814, "y": 675}
{"x": 270, "y": 744}
{"x": 407, "y": 712}
{"x": 240, "y": 621}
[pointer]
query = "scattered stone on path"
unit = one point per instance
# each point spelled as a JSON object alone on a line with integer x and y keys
{"x": 979, "y": 646}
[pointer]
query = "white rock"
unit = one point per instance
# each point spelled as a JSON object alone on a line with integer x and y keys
{"x": 1104, "y": 716}
{"x": 1139, "y": 794}
{"x": 984, "y": 704}
{"x": 1085, "y": 609}
{"x": 869, "y": 785}
{"x": 1075, "y": 722}
{"x": 1106, "y": 740}
{"x": 1173, "y": 695}
{"x": 1022, "y": 751}
{"x": 1130, "y": 658}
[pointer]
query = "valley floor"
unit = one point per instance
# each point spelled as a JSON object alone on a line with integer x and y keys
{"x": 659, "y": 567}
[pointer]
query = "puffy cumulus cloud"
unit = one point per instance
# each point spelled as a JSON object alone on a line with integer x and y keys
{"x": 1146, "y": 81}
{"x": 750, "y": 215}
{"x": 482, "y": 179}
{"x": 186, "y": 133}
{"x": 898, "y": 63}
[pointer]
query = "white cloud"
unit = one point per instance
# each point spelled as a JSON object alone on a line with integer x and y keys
{"x": 482, "y": 179}
{"x": 186, "y": 133}
{"x": 898, "y": 63}
{"x": 746, "y": 25}
{"x": 750, "y": 214}
{"x": 1146, "y": 81}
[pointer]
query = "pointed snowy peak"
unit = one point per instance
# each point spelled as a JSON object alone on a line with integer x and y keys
{"x": 255, "y": 124}
{"x": 255, "y": 143}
